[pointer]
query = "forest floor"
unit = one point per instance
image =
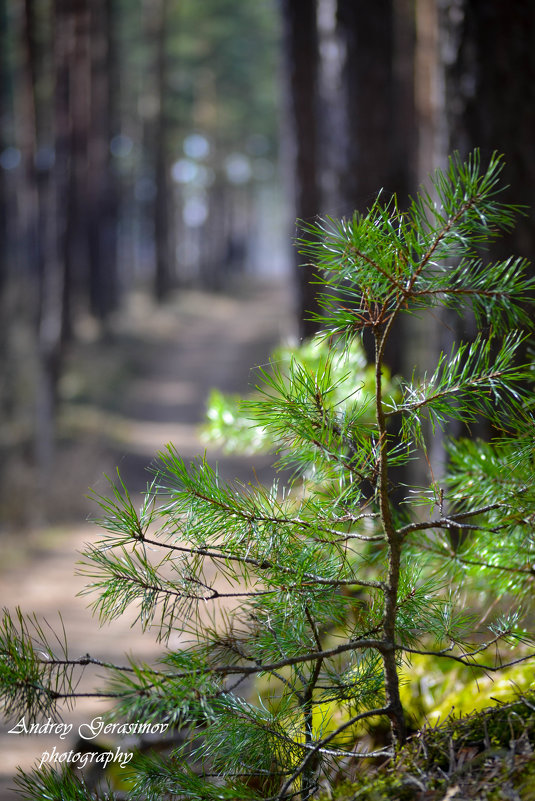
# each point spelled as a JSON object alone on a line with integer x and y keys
{"x": 122, "y": 401}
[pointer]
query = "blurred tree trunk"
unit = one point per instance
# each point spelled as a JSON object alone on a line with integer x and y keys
{"x": 377, "y": 43}
{"x": 8, "y": 220}
{"x": 488, "y": 63}
{"x": 28, "y": 229}
{"x": 5, "y": 103}
{"x": 369, "y": 51}
{"x": 76, "y": 43}
{"x": 50, "y": 275}
{"x": 61, "y": 205}
{"x": 487, "y": 68}
{"x": 366, "y": 32}
{"x": 475, "y": 88}
{"x": 350, "y": 78}
{"x": 301, "y": 69}
{"x": 405, "y": 139}
{"x": 5, "y": 243}
{"x": 102, "y": 191}
{"x": 163, "y": 199}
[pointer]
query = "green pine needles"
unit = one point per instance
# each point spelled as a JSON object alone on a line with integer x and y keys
{"x": 300, "y": 608}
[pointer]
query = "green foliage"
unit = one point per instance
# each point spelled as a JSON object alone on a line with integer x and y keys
{"x": 31, "y": 677}
{"x": 321, "y": 586}
{"x": 49, "y": 783}
{"x": 237, "y": 423}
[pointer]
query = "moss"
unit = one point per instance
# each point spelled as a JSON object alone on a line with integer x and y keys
{"x": 486, "y": 756}
{"x": 387, "y": 787}
{"x": 478, "y": 693}
{"x": 524, "y": 779}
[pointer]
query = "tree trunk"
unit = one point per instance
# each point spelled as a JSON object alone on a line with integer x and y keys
{"x": 5, "y": 105}
{"x": 75, "y": 234}
{"x": 41, "y": 253}
{"x": 301, "y": 52}
{"x": 366, "y": 33}
{"x": 475, "y": 88}
{"x": 102, "y": 189}
{"x": 53, "y": 279}
{"x": 163, "y": 199}
{"x": 488, "y": 63}
{"x": 377, "y": 41}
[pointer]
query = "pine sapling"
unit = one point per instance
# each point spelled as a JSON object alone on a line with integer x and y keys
{"x": 322, "y": 588}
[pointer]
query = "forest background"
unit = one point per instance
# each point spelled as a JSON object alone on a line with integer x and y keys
{"x": 154, "y": 149}
{"x": 154, "y": 146}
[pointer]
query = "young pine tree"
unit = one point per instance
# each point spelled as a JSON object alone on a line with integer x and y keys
{"x": 325, "y": 588}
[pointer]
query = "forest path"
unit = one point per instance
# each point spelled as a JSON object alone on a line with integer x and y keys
{"x": 160, "y": 366}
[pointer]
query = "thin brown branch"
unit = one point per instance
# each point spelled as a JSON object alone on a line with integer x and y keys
{"x": 342, "y": 534}
{"x": 311, "y": 656}
{"x": 57, "y": 696}
{"x": 451, "y": 521}
{"x": 86, "y": 660}
{"x": 527, "y": 571}
{"x": 448, "y": 290}
{"x": 426, "y": 258}
{"x": 325, "y": 741}
{"x": 264, "y": 564}
{"x": 391, "y": 590}
{"x": 376, "y": 266}
{"x": 214, "y": 594}
{"x": 466, "y": 659}
{"x": 474, "y": 386}
{"x": 249, "y": 670}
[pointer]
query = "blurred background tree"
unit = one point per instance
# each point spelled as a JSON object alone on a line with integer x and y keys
{"x": 137, "y": 142}
{"x": 164, "y": 145}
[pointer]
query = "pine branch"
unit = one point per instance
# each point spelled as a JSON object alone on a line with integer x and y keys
{"x": 454, "y": 555}
{"x": 470, "y": 381}
{"x": 326, "y": 740}
{"x": 262, "y": 565}
{"x": 465, "y": 659}
{"x": 455, "y": 520}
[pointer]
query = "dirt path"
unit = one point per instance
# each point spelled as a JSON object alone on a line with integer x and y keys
{"x": 174, "y": 356}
